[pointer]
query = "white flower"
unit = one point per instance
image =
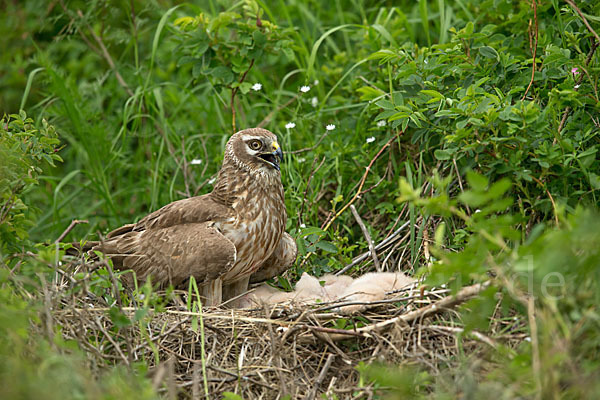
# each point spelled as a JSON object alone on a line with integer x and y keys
{"x": 443, "y": 286}
{"x": 196, "y": 161}
{"x": 371, "y": 139}
{"x": 301, "y": 160}
{"x": 577, "y": 86}
{"x": 257, "y": 86}
{"x": 426, "y": 62}
{"x": 528, "y": 339}
{"x": 316, "y": 82}
{"x": 330, "y": 127}
{"x": 477, "y": 211}
{"x": 314, "y": 101}
{"x": 290, "y": 125}
{"x": 302, "y": 226}
{"x": 381, "y": 123}
{"x": 305, "y": 89}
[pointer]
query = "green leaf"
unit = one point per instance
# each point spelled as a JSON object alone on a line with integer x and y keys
{"x": 259, "y": 38}
{"x": 311, "y": 230}
{"x": 231, "y": 396}
{"x": 499, "y": 188}
{"x": 433, "y": 93}
{"x": 443, "y": 154}
{"x": 223, "y": 73}
{"x": 594, "y": 181}
{"x": 476, "y": 181}
{"x": 119, "y": 319}
{"x": 398, "y": 98}
{"x": 326, "y": 246}
{"x": 369, "y": 93}
{"x": 385, "y": 104}
{"x": 488, "y": 52}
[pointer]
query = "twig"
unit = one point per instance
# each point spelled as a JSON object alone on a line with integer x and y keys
{"x": 234, "y": 92}
{"x": 539, "y": 182}
{"x": 585, "y": 21}
{"x": 371, "y": 304}
{"x": 365, "y": 232}
{"x": 321, "y": 329}
{"x": 362, "y": 182}
{"x": 593, "y": 47}
{"x": 270, "y": 115}
{"x": 359, "y": 192}
{"x": 111, "y": 340}
{"x": 460, "y": 184}
{"x": 117, "y": 295}
{"x": 106, "y": 55}
{"x": 321, "y": 377}
{"x": 312, "y": 173}
{"x": 47, "y": 310}
{"x": 191, "y": 313}
{"x": 563, "y": 120}
{"x": 363, "y": 256}
{"x": 533, "y": 43}
{"x": 309, "y": 148}
{"x": 185, "y": 168}
{"x": 463, "y": 295}
{"x": 537, "y": 370}
{"x": 70, "y": 228}
{"x": 454, "y": 329}
{"x": 277, "y": 355}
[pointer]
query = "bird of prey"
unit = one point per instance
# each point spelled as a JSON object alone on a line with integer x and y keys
{"x": 220, "y": 238}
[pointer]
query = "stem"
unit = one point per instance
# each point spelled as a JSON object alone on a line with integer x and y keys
{"x": 234, "y": 92}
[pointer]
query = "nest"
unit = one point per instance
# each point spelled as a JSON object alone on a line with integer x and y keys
{"x": 299, "y": 350}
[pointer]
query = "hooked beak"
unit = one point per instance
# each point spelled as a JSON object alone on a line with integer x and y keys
{"x": 275, "y": 157}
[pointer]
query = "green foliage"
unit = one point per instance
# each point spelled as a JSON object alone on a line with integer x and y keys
{"x": 499, "y": 167}
{"x": 223, "y": 48}
{"x": 23, "y": 150}
{"x": 557, "y": 270}
{"x": 34, "y": 365}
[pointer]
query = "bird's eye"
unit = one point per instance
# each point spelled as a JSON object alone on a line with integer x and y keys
{"x": 255, "y": 144}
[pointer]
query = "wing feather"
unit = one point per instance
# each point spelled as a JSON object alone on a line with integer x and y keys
{"x": 185, "y": 211}
{"x": 173, "y": 254}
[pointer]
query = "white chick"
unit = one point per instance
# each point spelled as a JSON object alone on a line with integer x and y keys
{"x": 335, "y": 286}
{"x": 372, "y": 287}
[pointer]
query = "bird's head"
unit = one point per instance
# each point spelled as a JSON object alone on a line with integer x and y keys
{"x": 255, "y": 149}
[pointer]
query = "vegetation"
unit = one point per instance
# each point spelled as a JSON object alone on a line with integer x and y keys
{"x": 477, "y": 122}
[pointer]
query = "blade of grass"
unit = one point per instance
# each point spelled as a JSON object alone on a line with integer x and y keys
{"x": 28, "y": 87}
{"x": 193, "y": 290}
{"x": 313, "y": 53}
{"x": 425, "y": 19}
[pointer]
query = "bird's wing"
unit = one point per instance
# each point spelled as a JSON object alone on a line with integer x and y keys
{"x": 282, "y": 259}
{"x": 172, "y": 254}
{"x": 192, "y": 210}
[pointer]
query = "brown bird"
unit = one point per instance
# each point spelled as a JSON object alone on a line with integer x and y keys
{"x": 220, "y": 238}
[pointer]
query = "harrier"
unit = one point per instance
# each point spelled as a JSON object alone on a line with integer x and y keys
{"x": 221, "y": 238}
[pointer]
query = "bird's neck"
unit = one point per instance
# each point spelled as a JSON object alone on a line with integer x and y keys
{"x": 234, "y": 186}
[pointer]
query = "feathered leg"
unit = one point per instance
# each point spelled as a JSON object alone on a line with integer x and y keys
{"x": 235, "y": 289}
{"x": 212, "y": 293}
